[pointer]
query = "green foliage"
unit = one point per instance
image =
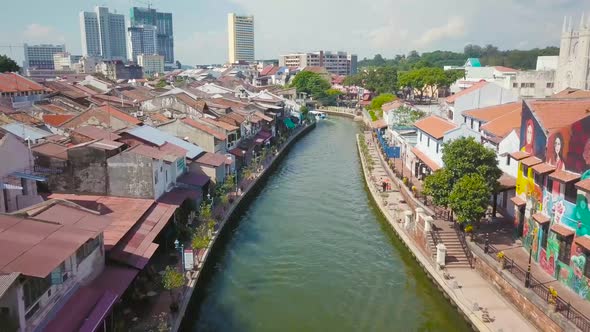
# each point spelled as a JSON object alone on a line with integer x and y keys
{"x": 172, "y": 279}
{"x": 465, "y": 156}
{"x": 161, "y": 83}
{"x": 304, "y": 110}
{"x": 379, "y": 80}
{"x": 333, "y": 92}
{"x": 426, "y": 78}
{"x": 374, "y": 116}
{"x": 205, "y": 213}
{"x": 381, "y": 99}
{"x": 7, "y": 64}
{"x": 470, "y": 198}
{"x": 438, "y": 185}
{"x": 311, "y": 83}
{"x": 408, "y": 116}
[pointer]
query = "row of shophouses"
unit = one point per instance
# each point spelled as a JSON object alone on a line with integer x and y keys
{"x": 543, "y": 148}
{"x": 90, "y": 181}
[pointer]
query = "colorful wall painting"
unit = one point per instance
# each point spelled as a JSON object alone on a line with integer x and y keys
{"x": 573, "y": 275}
{"x": 548, "y": 257}
{"x": 578, "y": 155}
{"x": 532, "y": 137}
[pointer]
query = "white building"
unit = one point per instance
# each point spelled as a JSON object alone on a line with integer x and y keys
{"x": 573, "y": 67}
{"x": 41, "y": 56}
{"x": 548, "y": 62}
{"x": 533, "y": 83}
{"x": 152, "y": 63}
{"x": 143, "y": 39}
{"x": 103, "y": 34}
{"x": 339, "y": 63}
{"x": 65, "y": 61}
{"x": 240, "y": 38}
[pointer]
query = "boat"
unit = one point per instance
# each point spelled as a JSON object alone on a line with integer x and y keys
{"x": 318, "y": 115}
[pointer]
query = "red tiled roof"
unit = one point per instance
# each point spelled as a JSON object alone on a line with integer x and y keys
{"x": 211, "y": 159}
{"x": 505, "y": 69}
{"x": 531, "y": 161}
{"x": 541, "y": 218}
{"x": 56, "y": 120}
{"x": 425, "y": 159}
{"x": 199, "y": 105}
{"x": 120, "y": 114}
{"x": 519, "y": 155}
{"x": 152, "y": 152}
{"x": 23, "y": 117}
{"x": 558, "y": 113}
{"x": 220, "y": 124}
{"x": 393, "y": 105}
{"x": 564, "y": 176}
{"x": 584, "y": 185}
{"x": 518, "y": 201}
{"x": 378, "y": 124}
{"x": 493, "y": 112}
{"x": 572, "y": 93}
{"x": 506, "y": 181}
{"x": 543, "y": 168}
{"x": 503, "y": 125}
{"x": 435, "y": 126}
{"x": 96, "y": 133}
{"x": 205, "y": 128}
{"x": 474, "y": 87}
{"x": 10, "y": 83}
{"x": 562, "y": 230}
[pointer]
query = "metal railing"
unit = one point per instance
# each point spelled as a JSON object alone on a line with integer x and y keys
{"x": 464, "y": 246}
{"x": 561, "y": 305}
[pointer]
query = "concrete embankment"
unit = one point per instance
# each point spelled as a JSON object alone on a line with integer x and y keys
{"x": 242, "y": 201}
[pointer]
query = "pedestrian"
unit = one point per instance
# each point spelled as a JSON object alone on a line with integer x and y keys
{"x": 384, "y": 185}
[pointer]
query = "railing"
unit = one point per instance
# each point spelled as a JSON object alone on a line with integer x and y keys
{"x": 561, "y": 305}
{"x": 464, "y": 246}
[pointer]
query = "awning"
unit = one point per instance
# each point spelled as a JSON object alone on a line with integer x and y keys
{"x": 238, "y": 152}
{"x": 543, "y": 168}
{"x": 9, "y": 186}
{"x": 564, "y": 176}
{"x": 531, "y": 161}
{"x": 507, "y": 182}
{"x": 289, "y": 123}
{"x": 89, "y": 305}
{"x": 562, "y": 230}
{"x": 424, "y": 158}
{"x": 519, "y": 155}
{"x": 29, "y": 176}
{"x": 583, "y": 241}
{"x": 518, "y": 201}
{"x": 541, "y": 218}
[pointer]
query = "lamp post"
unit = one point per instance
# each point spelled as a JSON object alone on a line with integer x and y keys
{"x": 180, "y": 247}
{"x": 527, "y": 278}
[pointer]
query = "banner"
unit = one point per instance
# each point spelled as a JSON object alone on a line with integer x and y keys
{"x": 189, "y": 259}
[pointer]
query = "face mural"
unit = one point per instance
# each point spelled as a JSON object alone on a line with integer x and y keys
{"x": 578, "y": 156}
{"x": 533, "y": 139}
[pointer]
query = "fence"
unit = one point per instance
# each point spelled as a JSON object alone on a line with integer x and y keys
{"x": 561, "y": 305}
{"x": 390, "y": 151}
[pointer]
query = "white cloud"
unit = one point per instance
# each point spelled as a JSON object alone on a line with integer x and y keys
{"x": 35, "y": 32}
{"x": 454, "y": 28}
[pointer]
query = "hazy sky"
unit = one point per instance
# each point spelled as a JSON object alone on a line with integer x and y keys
{"x": 364, "y": 27}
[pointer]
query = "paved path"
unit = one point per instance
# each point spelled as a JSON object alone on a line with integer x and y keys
{"x": 466, "y": 287}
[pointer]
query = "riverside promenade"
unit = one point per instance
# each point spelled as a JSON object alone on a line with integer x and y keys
{"x": 474, "y": 297}
{"x": 248, "y": 185}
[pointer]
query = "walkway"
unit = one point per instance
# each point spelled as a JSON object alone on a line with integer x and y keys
{"x": 474, "y": 295}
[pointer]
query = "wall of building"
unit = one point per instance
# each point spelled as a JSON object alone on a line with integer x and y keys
{"x": 87, "y": 172}
{"x": 216, "y": 174}
{"x": 131, "y": 175}
{"x": 573, "y": 67}
{"x": 169, "y": 102}
{"x": 533, "y": 84}
{"x": 195, "y": 136}
{"x": 489, "y": 95}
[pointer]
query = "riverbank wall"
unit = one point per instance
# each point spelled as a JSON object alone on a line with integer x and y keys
{"x": 343, "y": 113}
{"x": 205, "y": 265}
{"x": 425, "y": 263}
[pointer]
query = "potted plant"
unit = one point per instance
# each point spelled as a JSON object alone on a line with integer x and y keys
{"x": 171, "y": 281}
{"x": 469, "y": 230}
{"x": 502, "y": 258}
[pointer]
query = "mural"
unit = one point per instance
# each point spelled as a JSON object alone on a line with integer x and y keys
{"x": 532, "y": 136}
{"x": 578, "y": 156}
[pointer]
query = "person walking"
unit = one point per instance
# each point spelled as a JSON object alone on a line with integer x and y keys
{"x": 384, "y": 185}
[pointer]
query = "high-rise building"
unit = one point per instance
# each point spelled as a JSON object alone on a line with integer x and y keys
{"x": 151, "y": 63}
{"x": 165, "y": 32}
{"x": 339, "y": 63}
{"x": 240, "y": 38}
{"x": 41, "y": 56}
{"x": 142, "y": 40}
{"x": 103, "y": 34}
{"x": 65, "y": 61}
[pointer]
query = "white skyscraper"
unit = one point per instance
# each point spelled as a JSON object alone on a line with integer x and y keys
{"x": 143, "y": 39}
{"x": 240, "y": 38}
{"x": 103, "y": 34}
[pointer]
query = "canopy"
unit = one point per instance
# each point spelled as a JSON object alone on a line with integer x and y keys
{"x": 289, "y": 123}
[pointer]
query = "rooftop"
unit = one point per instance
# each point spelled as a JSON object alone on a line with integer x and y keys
{"x": 492, "y": 112}
{"x": 474, "y": 87}
{"x": 212, "y": 159}
{"x": 435, "y": 126}
{"x": 11, "y": 82}
{"x": 96, "y": 133}
{"x": 56, "y": 120}
{"x": 51, "y": 149}
{"x": 503, "y": 125}
{"x": 25, "y": 131}
{"x": 554, "y": 114}
{"x": 205, "y": 128}
{"x": 159, "y": 138}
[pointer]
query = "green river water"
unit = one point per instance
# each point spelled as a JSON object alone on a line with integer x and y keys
{"x": 312, "y": 253}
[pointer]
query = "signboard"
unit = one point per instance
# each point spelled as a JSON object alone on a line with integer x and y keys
{"x": 189, "y": 259}
{"x": 395, "y": 152}
{"x": 56, "y": 277}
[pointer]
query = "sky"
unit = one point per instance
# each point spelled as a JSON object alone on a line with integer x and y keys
{"x": 387, "y": 27}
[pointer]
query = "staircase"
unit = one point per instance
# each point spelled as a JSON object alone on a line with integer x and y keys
{"x": 456, "y": 256}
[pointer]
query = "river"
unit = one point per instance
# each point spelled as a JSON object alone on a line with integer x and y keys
{"x": 312, "y": 253}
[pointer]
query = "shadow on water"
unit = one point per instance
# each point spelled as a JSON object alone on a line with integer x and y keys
{"x": 369, "y": 282}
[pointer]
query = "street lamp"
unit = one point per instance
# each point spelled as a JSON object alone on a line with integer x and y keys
{"x": 527, "y": 278}
{"x": 180, "y": 246}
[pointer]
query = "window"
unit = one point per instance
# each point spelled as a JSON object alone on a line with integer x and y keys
{"x": 86, "y": 249}
{"x": 428, "y": 141}
{"x": 525, "y": 170}
{"x": 545, "y": 235}
{"x": 539, "y": 179}
{"x": 522, "y": 85}
{"x": 420, "y": 136}
{"x": 565, "y": 248}
{"x": 571, "y": 192}
{"x": 508, "y": 160}
{"x": 34, "y": 288}
{"x": 166, "y": 176}
{"x": 471, "y": 123}
{"x": 156, "y": 177}
{"x": 550, "y": 85}
{"x": 436, "y": 147}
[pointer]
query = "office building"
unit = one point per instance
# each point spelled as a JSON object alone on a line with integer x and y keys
{"x": 339, "y": 63}
{"x": 103, "y": 34}
{"x": 151, "y": 63}
{"x": 142, "y": 40}
{"x": 41, "y": 56}
{"x": 164, "y": 28}
{"x": 240, "y": 38}
{"x": 65, "y": 61}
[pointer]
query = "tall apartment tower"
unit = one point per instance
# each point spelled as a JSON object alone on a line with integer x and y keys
{"x": 163, "y": 22}
{"x": 41, "y": 56}
{"x": 143, "y": 39}
{"x": 573, "y": 68}
{"x": 240, "y": 38}
{"x": 103, "y": 34}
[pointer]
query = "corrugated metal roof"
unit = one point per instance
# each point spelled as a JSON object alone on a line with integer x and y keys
{"x": 26, "y": 132}
{"x": 159, "y": 138}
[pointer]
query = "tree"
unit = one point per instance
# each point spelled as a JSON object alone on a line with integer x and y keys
{"x": 200, "y": 239}
{"x": 304, "y": 110}
{"x": 161, "y": 83}
{"x": 311, "y": 83}
{"x": 172, "y": 280}
{"x": 465, "y": 156}
{"x": 381, "y": 99}
{"x": 470, "y": 198}
{"x": 438, "y": 185}
{"x": 8, "y": 65}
